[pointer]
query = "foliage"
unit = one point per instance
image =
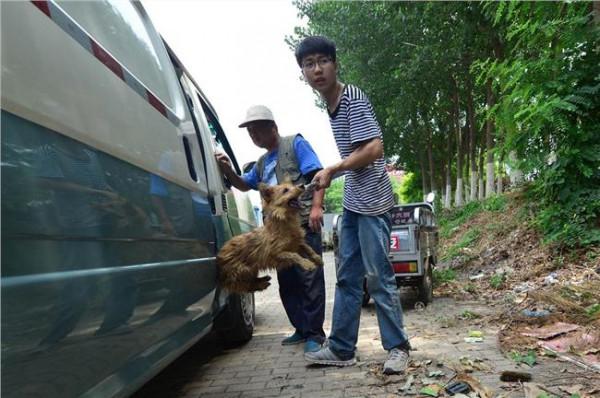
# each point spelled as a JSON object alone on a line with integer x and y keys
{"x": 334, "y": 196}
{"x": 529, "y": 358}
{"x": 468, "y": 239}
{"x": 409, "y": 189}
{"x": 440, "y": 74}
{"x": 549, "y": 111}
{"x": 497, "y": 280}
{"x": 450, "y": 221}
{"x": 441, "y": 276}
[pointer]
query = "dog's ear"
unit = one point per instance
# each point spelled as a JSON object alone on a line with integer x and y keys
{"x": 266, "y": 192}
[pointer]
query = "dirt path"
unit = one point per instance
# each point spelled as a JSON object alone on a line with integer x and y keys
{"x": 264, "y": 368}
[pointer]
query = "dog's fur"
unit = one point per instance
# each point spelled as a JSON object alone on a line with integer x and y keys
{"x": 277, "y": 245}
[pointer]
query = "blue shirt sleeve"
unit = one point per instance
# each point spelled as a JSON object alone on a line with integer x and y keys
{"x": 306, "y": 156}
{"x": 158, "y": 186}
{"x": 251, "y": 178}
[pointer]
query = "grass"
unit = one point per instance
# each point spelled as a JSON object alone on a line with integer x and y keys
{"x": 443, "y": 275}
{"x": 497, "y": 280}
{"x": 468, "y": 239}
{"x": 450, "y": 221}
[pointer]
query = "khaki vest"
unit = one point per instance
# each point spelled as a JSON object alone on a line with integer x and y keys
{"x": 287, "y": 166}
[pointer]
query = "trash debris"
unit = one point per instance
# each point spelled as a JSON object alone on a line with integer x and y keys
{"x": 456, "y": 388}
{"x": 550, "y": 331}
{"x": 475, "y": 277}
{"x": 578, "y": 347}
{"x": 550, "y": 279}
{"x": 572, "y": 390}
{"x": 536, "y": 314}
{"x": 468, "y": 365}
{"x": 419, "y": 306}
{"x": 512, "y": 375}
{"x": 408, "y": 384}
{"x": 431, "y": 390}
{"x": 436, "y": 373}
{"x": 533, "y": 390}
{"x": 473, "y": 339}
{"x": 475, "y": 385}
{"x": 523, "y": 287}
{"x": 475, "y": 333}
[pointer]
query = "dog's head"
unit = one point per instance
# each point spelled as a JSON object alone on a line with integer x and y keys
{"x": 280, "y": 200}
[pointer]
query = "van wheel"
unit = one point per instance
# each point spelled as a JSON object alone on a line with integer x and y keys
{"x": 425, "y": 287}
{"x": 235, "y": 324}
{"x": 366, "y": 296}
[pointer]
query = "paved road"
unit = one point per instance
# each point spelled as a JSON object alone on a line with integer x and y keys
{"x": 264, "y": 368}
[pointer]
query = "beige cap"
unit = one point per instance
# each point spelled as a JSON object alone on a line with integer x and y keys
{"x": 255, "y": 113}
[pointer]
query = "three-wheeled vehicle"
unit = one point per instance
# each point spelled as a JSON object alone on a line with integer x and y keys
{"x": 413, "y": 247}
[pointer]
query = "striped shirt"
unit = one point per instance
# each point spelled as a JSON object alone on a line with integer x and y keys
{"x": 367, "y": 190}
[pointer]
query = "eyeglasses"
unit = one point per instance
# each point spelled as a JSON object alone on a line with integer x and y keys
{"x": 311, "y": 64}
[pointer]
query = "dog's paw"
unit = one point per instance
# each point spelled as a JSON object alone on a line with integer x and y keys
{"x": 319, "y": 261}
{"x": 262, "y": 286}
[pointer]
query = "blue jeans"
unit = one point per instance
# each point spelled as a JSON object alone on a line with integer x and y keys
{"x": 303, "y": 294}
{"x": 363, "y": 251}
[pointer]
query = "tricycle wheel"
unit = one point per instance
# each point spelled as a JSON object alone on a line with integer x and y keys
{"x": 425, "y": 287}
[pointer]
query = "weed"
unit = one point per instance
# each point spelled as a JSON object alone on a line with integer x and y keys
{"x": 470, "y": 288}
{"x": 468, "y": 239}
{"x": 441, "y": 276}
{"x": 495, "y": 203}
{"x": 497, "y": 280}
{"x": 529, "y": 358}
{"x": 466, "y": 314}
{"x": 593, "y": 310}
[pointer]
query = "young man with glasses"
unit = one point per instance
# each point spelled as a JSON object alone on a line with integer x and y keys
{"x": 366, "y": 223}
{"x": 302, "y": 292}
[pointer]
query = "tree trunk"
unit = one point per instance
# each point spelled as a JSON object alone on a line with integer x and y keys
{"x": 499, "y": 186}
{"x": 489, "y": 142}
{"x": 448, "y": 198}
{"x": 431, "y": 167}
{"x": 516, "y": 175}
{"x": 472, "y": 137}
{"x": 481, "y": 186}
{"x": 423, "y": 175}
{"x": 458, "y": 199}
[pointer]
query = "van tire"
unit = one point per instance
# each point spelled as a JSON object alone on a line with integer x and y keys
{"x": 235, "y": 324}
{"x": 425, "y": 286}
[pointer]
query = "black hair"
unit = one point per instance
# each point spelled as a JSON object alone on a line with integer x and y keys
{"x": 315, "y": 45}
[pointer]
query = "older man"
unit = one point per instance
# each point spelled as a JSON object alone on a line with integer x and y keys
{"x": 302, "y": 292}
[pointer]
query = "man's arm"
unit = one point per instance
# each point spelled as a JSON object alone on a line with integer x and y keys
{"x": 365, "y": 154}
{"x": 229, "y": 172}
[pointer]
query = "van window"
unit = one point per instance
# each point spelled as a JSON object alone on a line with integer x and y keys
{"x": 218, "y": 137}
{"x": 125, "y": 31}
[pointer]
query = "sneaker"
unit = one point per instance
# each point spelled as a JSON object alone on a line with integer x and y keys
{"x": 397, "y": 361}
{"x": 311, "y": 346}
{"x": 296, "y": 338}
{"x": 326, "y": 357}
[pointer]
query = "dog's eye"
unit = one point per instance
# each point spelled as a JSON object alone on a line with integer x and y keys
{"x": 285, "y": 190}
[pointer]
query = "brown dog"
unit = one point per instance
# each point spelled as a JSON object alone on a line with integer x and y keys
{"x": 278, "y": 244}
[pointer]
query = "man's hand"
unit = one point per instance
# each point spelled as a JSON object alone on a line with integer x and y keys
{"x": 322, "y": 179}
{"x": 315, "y": 220}
{"x": 224, "y": 163}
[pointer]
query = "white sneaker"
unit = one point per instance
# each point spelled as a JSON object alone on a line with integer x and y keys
{"x": 397, "y": 361}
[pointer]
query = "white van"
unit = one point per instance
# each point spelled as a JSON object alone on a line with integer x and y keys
{"x": 113, "y": 207}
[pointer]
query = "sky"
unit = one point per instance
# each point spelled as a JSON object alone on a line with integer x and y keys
{"x": 236, "y": 52}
